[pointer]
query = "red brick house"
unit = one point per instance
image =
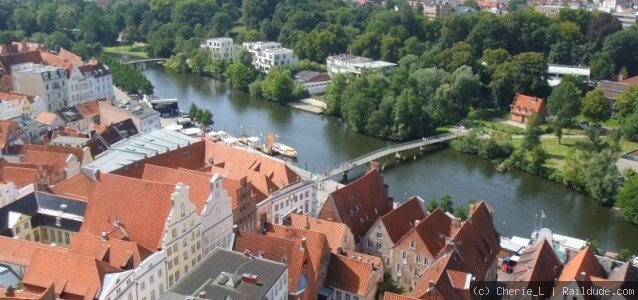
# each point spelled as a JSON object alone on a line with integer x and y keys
{"x": 524, "y": 106}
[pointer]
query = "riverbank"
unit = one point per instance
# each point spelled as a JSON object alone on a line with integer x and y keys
{"x": 309, "y": 105}
{"x": 135, "y": 50}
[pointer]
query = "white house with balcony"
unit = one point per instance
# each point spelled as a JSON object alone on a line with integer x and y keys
{"x": 267, "y": 55}
{"x": 223, "y": 48}
{"x": 346, "y": 63}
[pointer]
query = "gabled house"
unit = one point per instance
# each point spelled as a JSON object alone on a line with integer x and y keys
{"x": 67, "y": 162}
{"x": 583, "y": 271}
{"x": 338, "y": 234}
{"x": 524, "y": 107}
{"x": 354, "y": 275}
{"x": 537, "y": 269}
{"x": 391, "y": 227}
{"x": 358, "y": 204}
{"x": 446, "y": 278}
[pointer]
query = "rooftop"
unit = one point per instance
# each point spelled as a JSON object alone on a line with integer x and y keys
{"x": 136, "y": 108}
{"x": 400, "y": 220}
{"x": 352, "y": 274}
{"x": 34, "y": 68}
{"x": 70, "y": 140}
{"x": 20, "y": 252}
{"x": 219, "y": 275}
{"x": 137, "y": 148}
{"x": 334, "y": 231}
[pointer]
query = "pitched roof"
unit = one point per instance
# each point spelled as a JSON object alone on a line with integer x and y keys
{"x": 141, "y": 207}
{"x": 47, "y": 294}
{"x": 229, "y": 185}
{"x": 225, "y": 156}
{"x": 20, "y": 176}
{"x": 537, "y": 263}
{"x": 8, "y": 129}
{"x": 527, "y": 104}
{"x": 334, "y": 231}
{"x": 46, "y": 118}
{"x": 350, "y": 274}
{"x": 316, "y": 242}
{"x": 44, "y": 157}
{"x": 118, "y": 253}
{"x": 8, "y": 61}
{"x": 53, "y": 148}
{"x": 89, "y": 109}
{"x": 400, "y": 220}
{"x": 261, "y": 185}
{"x": 361, "y": 202}
{"x": 276, "y": 249}
{"x": 70, "y": 56}
{"x": 477, "y": 240}
{"x": 20, "y": 252}
{"x": 70, "y": 273}
{"x": 78, "y": 186}
{"x": 393, "y": 296}
{"x": 632, "y": 81}
{"x": 613, "y": 90}
{"x": 198, "y": 185}
{"x": 584, "y": 262}
{"x": 450, "y": 278}
{"x": 430, "y": 234}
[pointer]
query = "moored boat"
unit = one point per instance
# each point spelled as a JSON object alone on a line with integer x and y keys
{"x": 284, "y": 150}
{"x": 250, "y": 141}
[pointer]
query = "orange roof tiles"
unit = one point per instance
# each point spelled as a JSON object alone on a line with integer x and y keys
{"x": 89, "y": 109}
{"x": 230, "y": 185}
{"x": 71, "y": 274}
{"x": 449, "y": 277}
{"x": 351, "y": 274}
{"x": 527, "y": 104}
{"x": 633, "y": 81}
{"x": 8, "y": 130}
{"x": 400, "y": 220}
{"x": 47, "y": 294}
{"x": 584, "y": 262}
{"x": 360, "y": 203}
{"x": 78, "y": 186}
{"x": 70, "y": 56}
{"x": 54, "y": 148}
{"x": 316, "y": 241}
{"x": 46, "y": 118}
{"x": 44, "y": 157}
{"x": 334, "y": 231}
{"x": 198, "y": 186}
{"x": 430, "y": 234}
{"x": 20, "y": 176}
{"x": 537, "y": 263}
{"x": 393, "y": 296}
{"x": 118, "y": 253}
{"x": 140, "y": 206}
{"x": 20, "y": 252}
{"x": 279, "y": 250}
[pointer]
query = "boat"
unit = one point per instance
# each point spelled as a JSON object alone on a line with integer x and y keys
{"x": 250, "y": 141}
{"x": 284, "y": 150}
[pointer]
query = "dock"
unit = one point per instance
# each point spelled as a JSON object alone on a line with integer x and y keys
{"x": 310, "y": 105}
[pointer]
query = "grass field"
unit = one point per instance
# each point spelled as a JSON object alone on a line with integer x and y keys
{"x": 137, "y": 50}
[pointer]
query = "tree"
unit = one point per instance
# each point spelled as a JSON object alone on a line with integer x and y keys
{"x": 627, "y": 102}
{"x": 388, "y": 285}
{"x": 624, "y": 255}
{"x": 204, "y": 117}
{"x": 596, "y": 107}
{"x": 334, "y": 94}
{"x": 564, "y": 106}
{"x": 390, "y": 46}
{"x": 627, "y": 199}
{"x": 46, "y": 17}
{"x": 240, "y": 76}
{"x": 57, "y": 40}
{"x": 618, "y": 46}
{"x": 433, "y": 205}
{"x": 178, "y": 63}
{"x": 243, "y": 57}
{"x": 446, "y": 204}
{"x": 601, "y": 176}
{"x": 461, "y": 213}
{"x": 25, "y": 20}
{"x": 533, "y": 133}
{"x": 501, "y": 86}
{"x": 529, "y": 73}
{"x": 488, "y": 33}
{"x": 594, "y": 246}
{"x": 602, "y": 25}
{"x": 278, "y": 85}
{"x": 192, "y": 110}
{"x": 200, "y": 60}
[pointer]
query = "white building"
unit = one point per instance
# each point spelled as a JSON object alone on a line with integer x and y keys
{"x": 217, "y": 217}
{"x": 146, "y": 282}
{"x": 47, "y": 82}
{"x": 299, "y": 197}
{"x": 9, "y": 108}
{"x": 346, "y": 63}
{"x": 223, "y": 48}
{"x": 557, "y": 72}
{"x": 313, "y": 82}
{"x": 267, "y": 55}
{"x": 89, "y": 82}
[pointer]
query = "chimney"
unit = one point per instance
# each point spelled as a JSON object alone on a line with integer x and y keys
{"x": 10, "y": 291}
{"x": 202, "y": 295}
{"x": 582, "y": 276}
{"x": 307, "y": 225}
{"x": 261, "y": 254}
{"x": 249, "y": 278}
{"x": 103, "y": 236}
{"x": 236, "y": 229}
{"x": 430, "y": 285}
{"x": 416, "y": 222}
{"x": 247, "y": 253}
{"x": 303, "y": 243}
{"x": 340, "y": 251}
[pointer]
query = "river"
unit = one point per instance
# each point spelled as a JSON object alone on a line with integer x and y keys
{"x": 325, "y": 141}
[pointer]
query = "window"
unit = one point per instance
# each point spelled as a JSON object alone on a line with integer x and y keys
{"x": 152, "y": 295}
{"x": 169, "y": 251}
{"x": 143, "y": 286}
{"x": 175, "y": 247}
{"x": 36, "y": 236}
{"x": 151, "y": 279}
{"x": 26, "y": 225}
{"x": 17, "y": 230}
{"x": 185, "y": 255}
{"x": 193, "y": 262}
{"x": 60, "y": 236}
{"x": 176, "y": 260}
{"x": 170, "y": 280}
{"x": 378, "y": 246}
{"x": 418, "y": 259}
{"x": 188, "y": 154}
{"x": 28, "y": 237}
{"x": 306, "y": 207}
{"x": 159, "y": 273}
{"x": 416, "y": 272}
{"x": 369, "y": 244}
{"x": 412, "y": 245}
{"x": 174, "y": 232}
{"x": 183, "y": 210}
{"x": 170, "y": 264}
{"x": 379, "y": 235}
{"x": 307, "y": 194}
{"x": 45, "y": 234}
{"x": 67, "y": 239}
{"x": 338, "y": 295}
{"x": 348, "y": 296}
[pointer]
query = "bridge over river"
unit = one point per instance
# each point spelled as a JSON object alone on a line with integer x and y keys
{"x": 395, "y": 149}
{"x": 142, "y": 64}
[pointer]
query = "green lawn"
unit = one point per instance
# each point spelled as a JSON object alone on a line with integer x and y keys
{"x": 136, "y": 50}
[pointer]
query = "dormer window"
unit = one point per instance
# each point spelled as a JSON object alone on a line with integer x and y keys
{"x": 412, "y": 245}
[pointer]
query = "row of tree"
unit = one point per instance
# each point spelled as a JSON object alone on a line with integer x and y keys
{"x": 127, "y": 78}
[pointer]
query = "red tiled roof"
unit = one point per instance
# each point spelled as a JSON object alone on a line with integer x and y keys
{"x": 279, "y": 250}
{"x": 78, "y": 186}
{"x": 230, "y": 185}
{"x": 44, "y": 157}
{"x": 8, "y": 128}
{"x": 393, "y": 296}
{"x": 227, "y": 156}
{"x": 449, "y": 277}
{"x": 360, "y": 203}
{"x": 261, "y": 185}
{"x": 633, "y": 81}
{"x": 20, "y": 176}
{"x": 477, "y": 240}
{"x": 584, "y": 262}
{"x": 316, "y": 241}
{"x": 7, "y": 61}
{"x": 70, "y": 56}
{"x": 350, "y": 274}
{"x": 537, "y": 263}
{"x": 47, "y": 294}
{"x": 527, "y": 104}
{"x": 89, "y": 109}
{"x": 118, "y": 253}
{"x": 198, "y": 186}
{"x": 9, "y": 97}
{"x": 71, "y": 274}
{"x": 20, "y": 252}
{"x": 429, "y": 235}
{"x": 400, "y": 220}
{"x": 140, "y": 206}
{"x": 54, "y": 148}
{"x": 46, "y": 118}
{"x": 334, "y": 231}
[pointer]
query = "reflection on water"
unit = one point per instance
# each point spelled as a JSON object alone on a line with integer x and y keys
{"x": 324, "y": 141}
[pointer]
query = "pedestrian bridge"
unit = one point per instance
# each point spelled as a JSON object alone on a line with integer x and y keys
{"x": 395, "y": 149}
{"x": 144, "y": 63}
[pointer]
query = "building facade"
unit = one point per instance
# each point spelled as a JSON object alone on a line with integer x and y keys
{"x": 267, "y": 55}
{"x": 222, "y": 48}
{"x": 346, "y": 63}
{"x": 436, "y": 10}
{"x": 217, "y": 218}
{"x": 47, "y": 82}
{"x": 299, "y": 197}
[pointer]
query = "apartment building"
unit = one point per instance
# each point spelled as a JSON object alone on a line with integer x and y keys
{"x": 222, "y": 48}
{"x": 267, "y": 55}
{"x": 347, "y": 63}
{"x": 47, "y": 82}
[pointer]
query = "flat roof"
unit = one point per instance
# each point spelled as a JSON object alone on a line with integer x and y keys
{"x": 375, "y": 64}
{"x": 71, "y": 140}
{"x": 136, "y": 148}
{"x": 31, "y": 67}
{"x": 211, "y": 276}
{"x": 136, "y": 108}
{"x": 568, "y": 70}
